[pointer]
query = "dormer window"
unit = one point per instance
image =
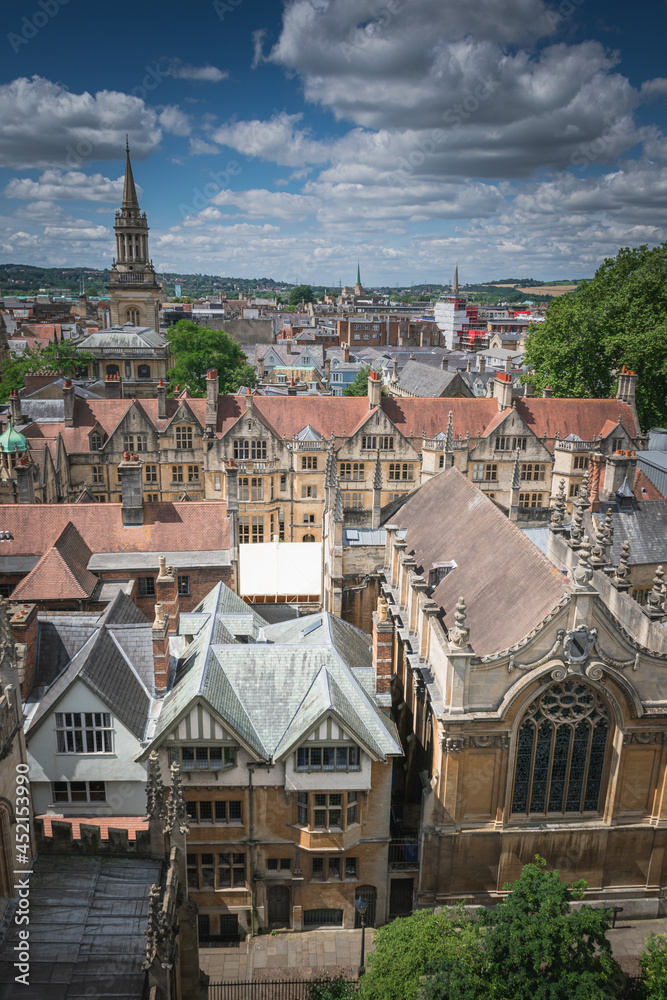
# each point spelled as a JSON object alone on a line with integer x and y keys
{"x": 96, "y": 441}
{"x": 328, "y": 758}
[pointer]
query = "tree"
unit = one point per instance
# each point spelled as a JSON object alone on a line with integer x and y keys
{"x": 62, "y": 358}
{"x": 302, "y": 293}
{"x": 360, "y": 385}
{"x": 654, "y": 967}
{"x": 617, "y": 318}
{"x": 408, "y": 947}
{"x": 196, "y": 349}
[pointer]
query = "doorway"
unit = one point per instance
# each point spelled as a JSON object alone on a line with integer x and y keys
{"x": 279, "y": 906}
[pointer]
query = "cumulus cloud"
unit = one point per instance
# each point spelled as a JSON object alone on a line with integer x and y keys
{"x": 43, "y": 124}
{"x": 199, "y": 146}
{"x": 184, "y": 71}
{"x": 278, "y": 140}
{"x": 654, "y": 88}
{"x": 173, "y": 120}
{"x": 72, "y": 185}
{"x": 259, "y": 202}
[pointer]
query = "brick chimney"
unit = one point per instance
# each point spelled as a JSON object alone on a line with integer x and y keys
{"x": 595, "y": 467}
{"x": 502, "y": 389}
{"x": 130, "y": 471}
{"x": 166, "y": 592}
{"x": 167, "y": 613}
{"x": 212, "y": 395}
{"x": 160, "y": 636}
{"x": 346, "y": 353}
{"x": 291, "y": 388}
{"x": 161, "y": 401}
{"x": 25, "y": 482}
{"x": 23, "y": 620}
{"x": 374, "y": 389}
{"x": 68, "y": 400}
{"x": 112, "y": 387}
{"x": 383, "y": 651}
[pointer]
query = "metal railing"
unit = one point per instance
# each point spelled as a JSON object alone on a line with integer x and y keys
{"x": 288, "y": 989}
{"x": 403, "y": 855}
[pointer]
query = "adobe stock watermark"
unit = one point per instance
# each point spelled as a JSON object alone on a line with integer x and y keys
{"x": 361, "y": 37}
{"x": 223, "y": 7}
{"x": 589, "y": 152}
{"x": 22, "y": 870}
{"x": 202, "y": 197}
{"x": 564, "y": 10}
{"x": 454, "y": 116}
{"x": 31, "y": 26}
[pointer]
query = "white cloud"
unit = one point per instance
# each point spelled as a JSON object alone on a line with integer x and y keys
{"x": 173, "y": 120}
{"x": 259, "y": 202}
{"x": 277, "y": 140}
{"x": 44, "y": 125}
{"x": 654, "y": 88}
{"x": 72, "y": 185}
{"x": 184, "y": 71}
{"x": 200, "y": 146}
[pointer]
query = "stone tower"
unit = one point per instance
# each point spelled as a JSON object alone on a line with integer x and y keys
{"x": 358, "y": 287}
{"x": 133, "y": 289}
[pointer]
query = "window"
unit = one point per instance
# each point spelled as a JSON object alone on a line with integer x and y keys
{"x": 351, "y": 808}
{"x": 177, "y": 473}
{"x": 374, "y": 441}
{"x": 79, "y": 791}
{"x": 98, "y": 475}
{"x": 505, "y": 443}
{"x": 84, "y": 732}
{"x": 309, "y": 461}
{"x": 352, "y": 471}
{"x": 100, "y": 497}
{"x": 535, "y": 472}
{"x": 393, "y": 496}
{"x": 376, "y": 326}
{"x": 283, "y": 482}
{"x": 217, "y": 483}
{"x": 231, "y": 870}
{"x": 327, "y": 810}
{"x": 142, "y": 442}
{"x": 401, "y": 470}
{"x": 530, "y": 499}
{"x": 616, "y": 444}
{"x": 193, "y": 473}
{"x": 256, "y": 488}
{"x": 357, "y": 326}
{"x": 351, "y": 868}
{"x": 308, "y": 491}
{"x": 328, "y": 758}
{"x": 151, "y": 473}
{"x": 249, "y": 449}
{"x": 330, "y": 869}
{"x": 244, "y": 489}
{"x": 215, "y": 812}
{"x": 152, "y": 498}
{"x": 367, "y": 336}
{"x": 95, "y": 441}
{"x": 184, "y": 437}
{"x": 483, "y": 471}
{"x": 184, "y": 586}
{"x": 357, "y": 336}
{"x": 572, "y": 492}
{"x": 353, "y": 500}
{"x": 580, "y": 462}
{"x": 441, "y": 462}
{"x": 143, "y": 371}
{"x": 206, "y": 758}
{"x": 146, "y": 586}
{"x": 282, "y": 864}
{"x": 561, "y": 752}
{"x": 6, "y": 589}
{"x": 128, "y": 442}
{"x": 308, "y": 538}
{"x": 221, "y": 871}
{"x": 309, "y": 519}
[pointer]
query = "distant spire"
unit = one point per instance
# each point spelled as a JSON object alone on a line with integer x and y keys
{"x": 455, "y": 286}
{"x": 358, "y": 274}
{"x": 129, "y": 191}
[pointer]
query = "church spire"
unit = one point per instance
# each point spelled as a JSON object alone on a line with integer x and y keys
{"x": 358, "y": 274}
{"x": 130, "y": 200}
{"x": 455, "y": 286}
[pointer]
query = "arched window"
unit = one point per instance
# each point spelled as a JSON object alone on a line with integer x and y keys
{"x": 113, "y": 370}
{"x": 561, "y": 752}
{"x": 132, "y": 316}
{"x": 144, "y": 371}
{"x": 308, "y": 538}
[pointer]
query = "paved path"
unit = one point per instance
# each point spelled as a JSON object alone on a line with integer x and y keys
{"x": 287, "y": 955}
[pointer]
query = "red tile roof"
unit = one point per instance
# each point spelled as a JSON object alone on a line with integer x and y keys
{"x": 644, "y": 489}
{"x": 168, "y": 527}
{"x": 61, "y": 573}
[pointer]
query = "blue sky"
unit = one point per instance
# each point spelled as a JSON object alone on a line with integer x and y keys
{"x": 518, "y": 137}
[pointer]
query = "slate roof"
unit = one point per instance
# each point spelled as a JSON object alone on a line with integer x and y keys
{"x": 424, "y": 380}
{"x": 645, "y": 528}
{"x": 271, "y": 692}
{"x": 135, "y": 336}
{"x": 508, "y": 585}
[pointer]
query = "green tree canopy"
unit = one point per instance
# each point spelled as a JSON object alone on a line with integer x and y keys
{"x": 62, "y": 358}
{"x": 302, "y": 293}
{"x": 196, "y": 349}
{"x": 617, "y": 318}
{"x": 360, "y": 385}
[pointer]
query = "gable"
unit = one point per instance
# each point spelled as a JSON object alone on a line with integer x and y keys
{"x": 328, "y": 730}
{"x": 200, "y": 723}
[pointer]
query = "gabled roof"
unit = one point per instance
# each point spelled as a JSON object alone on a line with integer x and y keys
{"x": 61, "y": 573}
{"x": 424, "y": 380}
{"x": 508, "y": 585}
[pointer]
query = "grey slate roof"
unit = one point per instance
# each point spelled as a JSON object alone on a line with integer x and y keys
{"x": 272, "y": 692}
{"x": 424, "y": 380}
{"x": 645, "y": 529}
{"x": 135, "y": 336}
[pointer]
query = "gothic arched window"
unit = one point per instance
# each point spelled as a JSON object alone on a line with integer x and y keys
{"x": 132, "y": 316}
{"x": 561, "y": 752}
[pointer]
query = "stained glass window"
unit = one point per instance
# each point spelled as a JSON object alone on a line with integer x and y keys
{"x": 561, "y": 752}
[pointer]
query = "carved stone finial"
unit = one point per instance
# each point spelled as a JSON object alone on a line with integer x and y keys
{"x": 338, "y": 506}
{"x": 583, "y": 571}
{"x": 154, "y": 788}
{"x": 377, "y": 474}
{"x": 655, "y": 599}
{"x": 176, "y": 812}
{"x": 159, "y": 616}
{"x": 460, "y": 634}
{"x": 7, "y": 644}
{"x": 449, "y": 434}
{"x": 154, "y": 927}
{"x": 382, "y": 608}
{"x": 516, "y": 472}
{"x": 558, "y": 509}
{"x": 621, "y": 577}
{"x": 162, "y": 561}
{"x": 580, "y": 505}
{"x": 609, "y": 527}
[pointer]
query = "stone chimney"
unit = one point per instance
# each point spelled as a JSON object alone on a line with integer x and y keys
{"x": 468, "y": 364}
{"x": 15, "y": 407}
{"x": 25, "y": 481}
{"x": 23, "y": 620}
{"x": 161, "y": 401}
{"x": 346, "y": 353}
{"x": 327, "y": 367}
{"x": 502, "y": 389}
{"x": 482, "y": 364}
{"x": 288, "y": 344}
{"x": 546, "y": 392}
{"x": 167, "y": 613}
{"x": 212, "y": 395}
{"x": 130, "y": 471}
{"x": 113, "y": 387}
{"x": 374, "y": 389}
{"x": 595, "y": 467}
{"x": 383, "y": 651}
{"x": 443, "y": 363}
{"x": 166, "y": 592}
{"x": 618, "y": 467}
{"x": 68, "y": 400}
{"x": 260, "y": 368}
{"x": 160, "y": 650}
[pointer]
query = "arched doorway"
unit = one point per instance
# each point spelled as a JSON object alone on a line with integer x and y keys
{"x": 308, "y": 538}
{"x": 278, "y": 897}
{"x": 369, "y": 893}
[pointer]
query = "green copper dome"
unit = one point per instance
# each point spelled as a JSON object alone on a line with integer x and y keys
{"x": 11, "y": 440}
